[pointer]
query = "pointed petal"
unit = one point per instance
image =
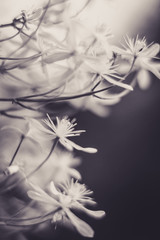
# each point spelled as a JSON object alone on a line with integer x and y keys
{"x": 66, "y": 144}
{"x": 119, "y": 51}
{"x": 82, "y": 227}
{"x": 88, "y": 202}
{"x": 53, "y": 189}
{"x": 88, "y": 150}
{"x": 152, "y": 51}
{"x": 74, "y": 173}
{"x": 95, "y": 214}
{"x": 40, "y": 198}
{"x": 117, "y": 83}
{"x": 11, "y": 170}
{"x": 55, "y": 57}
{"x": 144, "y": 80}
{"x": 152, "y": 67}
{"x": 40, "y": 195}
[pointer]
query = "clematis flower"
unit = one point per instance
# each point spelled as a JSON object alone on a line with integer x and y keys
{"x": 72, "y": 196}
{"x": 143, "y": 56}
{"x": 63, "y": 130}
{"x": 137, "y": 48}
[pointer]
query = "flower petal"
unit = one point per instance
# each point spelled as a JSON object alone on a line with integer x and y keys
{"x": 119, "y": 51}
{"x": 66, "y": 144}
{"x": 82, "y": 227}
{"x": 42, "y": 198}
{"x": 39, "y": 195}
{"x": 74, "y": 145}
{"x": 53, "y": 188}
{"x": 143, "y": 79}
{"x": 11, "y": 170}
{"x": 94, "y": 214}
{"x": 57, "y": 56}
{"x": 153, "y": 67}
{"x": 152, "y": 51}
{"x": 117, "y": 83}
{"x": 74, "y": 173}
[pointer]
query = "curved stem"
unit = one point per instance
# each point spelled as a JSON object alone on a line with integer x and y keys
{"x": 7, "y": 219}
{"x": 17, "y": 149}
{"x": 45, "y": 160}
{"x": 34, "y": 171}
{"x": 130, "y": 70}
{"x": 54, "y": 99}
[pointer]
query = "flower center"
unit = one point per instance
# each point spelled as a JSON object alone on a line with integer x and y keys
{"x": 140, "y": 45}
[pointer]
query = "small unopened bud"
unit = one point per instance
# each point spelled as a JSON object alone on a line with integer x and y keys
{"x": 11, "y": 170}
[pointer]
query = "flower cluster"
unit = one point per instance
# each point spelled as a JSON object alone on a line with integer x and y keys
{"x": 53, "y": 64}
{"x": 72, "y": 195}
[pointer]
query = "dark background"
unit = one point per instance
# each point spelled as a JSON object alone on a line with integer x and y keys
{"x": 124, "y": 174}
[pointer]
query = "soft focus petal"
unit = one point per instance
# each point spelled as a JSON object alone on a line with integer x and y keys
{"x": 39, "y": 132}
{"x": 42, "y": 198}
{"x": 11, "y": 170}
{"x": 40, "y": 195}
{"x": 117, "y": 83}
{"x": 74, "y": 173}
{"x": 144, "y": 80}
{"x": 95, "y": 214}
{"x": 66, "y": 144}
{"x": 82, "y": 227}
{"x": 153, "y": 67}
{"x": 55, "y": 57}
{"x": 88, "y": 150}
{"x": 88, "y": 201}
{"x": 53, "y": 188}
{"x": 119, "y": 51}
{"x": 152, "y": 51}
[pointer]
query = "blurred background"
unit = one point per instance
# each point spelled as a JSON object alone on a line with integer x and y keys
{"x": 124, "y": 174}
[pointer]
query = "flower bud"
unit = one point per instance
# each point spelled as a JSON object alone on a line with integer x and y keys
{"x": 11, "y": 170}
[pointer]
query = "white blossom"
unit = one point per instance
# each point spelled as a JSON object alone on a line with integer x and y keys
{"x": 62, "y": 130}
{"x": 142, "y": 56}
{"x": 72, "y": 196}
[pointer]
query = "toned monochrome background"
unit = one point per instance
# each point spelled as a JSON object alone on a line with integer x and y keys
{"x": 124, "y": 174}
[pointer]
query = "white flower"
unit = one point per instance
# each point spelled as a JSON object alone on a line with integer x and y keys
{"x": 137, "y": 48}
{"x": 73, "y": 196}
{"x": 63, "y": 130}
{"x": 143, "y": 54}
{"x": 106, "y": 70}
{"x": 78, "y": 192}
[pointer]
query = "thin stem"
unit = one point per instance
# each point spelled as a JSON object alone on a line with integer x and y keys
{"x": 35, "y": 170}
{"x": 54, "y": 99}
{"x": 25, "y": 58}
{"x": 6, "y": 25}
{"x": 6, "y": 39}
{"x": 24, "y": 225}
{"x": 7, "y": 219}
{"x": 10, "y": 115}
{"x": 45, "y": 160}
{"x": 130, "y": 70}
{"x": 17, "y": 149}
{"x": 42, "y": 220}
{"x": 32, "y": 34}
